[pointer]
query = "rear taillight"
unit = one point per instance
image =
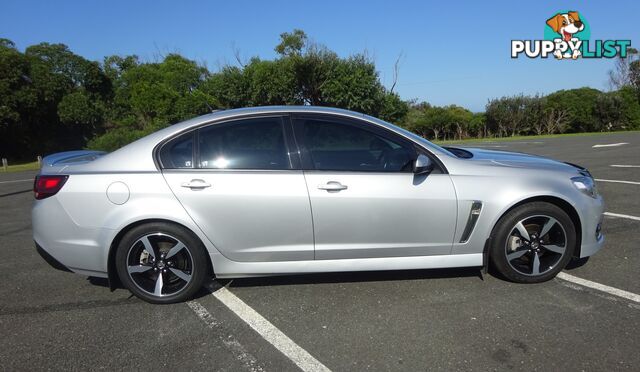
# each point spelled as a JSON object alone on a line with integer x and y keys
{"x": 46, "y": 186}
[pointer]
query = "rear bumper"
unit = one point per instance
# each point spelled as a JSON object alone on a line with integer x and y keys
{"x": 66, "y": 245}
{"x": 50, "y": 259}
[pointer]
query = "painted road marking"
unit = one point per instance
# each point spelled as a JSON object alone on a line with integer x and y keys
{"x": 618, "y": 215}
{"x": 600, "y": 287}
{"x": 624, "y": 166}
{"x": 203, "y": 313}
{"x": 240, "y": 353}
{"x": 14, "y": 181}
{"x": 618, "y": 181}
{"x": 491, "y": 146}
{"x": 611, "y": 144}
{"x": 269, "y": 332}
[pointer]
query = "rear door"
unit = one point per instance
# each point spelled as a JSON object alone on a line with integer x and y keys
{"x": 366, "y": 201}
{"x": 240, "y": 185}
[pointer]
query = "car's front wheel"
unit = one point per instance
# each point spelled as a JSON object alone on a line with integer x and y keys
{"x": 161, "y": 262}
{"x": 533, "y": 242}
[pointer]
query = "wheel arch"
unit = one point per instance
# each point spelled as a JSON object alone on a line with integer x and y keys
{"x": 112, "y": 274}
{"x": 558, "y": 202}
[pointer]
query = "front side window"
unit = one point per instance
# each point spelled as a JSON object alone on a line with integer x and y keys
{"x": 338, "y": 146}
{"x": 244, "y": 144}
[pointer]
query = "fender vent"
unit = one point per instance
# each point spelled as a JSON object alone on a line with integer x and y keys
{"x": 474, "y": 213}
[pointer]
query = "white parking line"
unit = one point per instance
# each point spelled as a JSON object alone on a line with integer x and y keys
{"x": 600, "y": 287}
{"x": 618, "y": 181}
{"x": 618, "y": 215}
{"x": 269, "y": 332}
{"x": 611, "y": 145}
{"x": 240, "y": 353}
{"x": 202, "y": 313}
{"x": 624, "y": 166}
{"x": 14, "y": 181}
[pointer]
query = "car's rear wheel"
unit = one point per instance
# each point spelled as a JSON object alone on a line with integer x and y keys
{"x": 533, "y": 242}
{"x": 161, "y": 262}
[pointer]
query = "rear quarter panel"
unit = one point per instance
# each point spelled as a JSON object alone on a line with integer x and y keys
{"x": 84, "y": 198}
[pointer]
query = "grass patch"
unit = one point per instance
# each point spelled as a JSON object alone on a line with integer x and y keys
{"x": 20, "y": 167}
{"x": 517, "y": 138}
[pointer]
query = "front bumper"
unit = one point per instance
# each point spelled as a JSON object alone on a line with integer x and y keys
{"x": 591, "y": 217}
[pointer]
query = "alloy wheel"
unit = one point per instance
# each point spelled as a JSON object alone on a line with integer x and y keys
{"x": 160, "y": 264}
{"x": 535, "y": 245}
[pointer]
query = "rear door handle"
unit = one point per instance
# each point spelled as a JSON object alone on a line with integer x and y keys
{"x": 332, "y": 186}
{"x": 196, "y": 184}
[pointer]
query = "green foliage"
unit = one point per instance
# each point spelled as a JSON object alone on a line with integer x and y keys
{"x": 80, "y": 108}
{"x": 116, "y": 138}
{"x": 580, "y": 104}
{"x": 291, "y": 43}
{"x": 449, "y": 121}
{"x": 574, "y": 111}
{"x": 271, "y": 82}
{"x": 52, "y": 99}
{"x": 630, "y": 108}
{"x": 38, "y": 85}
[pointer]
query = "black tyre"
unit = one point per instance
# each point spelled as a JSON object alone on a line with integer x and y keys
{"x": 532, "y": 243}
{"x": 161, "y": 263}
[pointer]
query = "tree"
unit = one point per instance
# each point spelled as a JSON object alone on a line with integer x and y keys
{"x": 626, "y": 71}
{"x": 459, "y": 119}
{"x": 17, "y": 98}
{"x": 291, "y": 43}
{"x": 52, "y": 99}
{"x": 580, "y": 106}
{"x": 478, "y": 125}
{"x": 630, "y": 108}
{"x": 499, "y": 116}
{"x": 228, "y": 88}
{"x": 151, "y": 96}
{"x": 555, "y": 120}
{"x": 81, "y": 110}
{"x": 39, "y": 85}
{"x": 608, "y": 110}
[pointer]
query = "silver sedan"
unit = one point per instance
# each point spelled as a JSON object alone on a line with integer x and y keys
{"x": 291, "y": 190}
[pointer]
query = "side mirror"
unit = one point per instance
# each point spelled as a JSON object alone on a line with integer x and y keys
{"x": 422, "y": 165}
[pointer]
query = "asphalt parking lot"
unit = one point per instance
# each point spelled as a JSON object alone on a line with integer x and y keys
{"x": 411, "y": 320}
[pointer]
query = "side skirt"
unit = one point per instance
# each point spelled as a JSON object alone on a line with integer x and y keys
{"x": 226, "y": 269}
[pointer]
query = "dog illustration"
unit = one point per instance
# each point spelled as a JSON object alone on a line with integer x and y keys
{"x": 566, "y": 24}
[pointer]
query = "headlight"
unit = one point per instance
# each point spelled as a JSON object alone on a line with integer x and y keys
{"x": 586, "y": 185}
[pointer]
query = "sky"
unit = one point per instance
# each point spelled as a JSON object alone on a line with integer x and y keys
{"x": 451, "y": 52}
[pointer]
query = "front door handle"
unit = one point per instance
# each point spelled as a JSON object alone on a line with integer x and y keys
{"x": 196, "y": 184}
{"x": 332, "y": 186}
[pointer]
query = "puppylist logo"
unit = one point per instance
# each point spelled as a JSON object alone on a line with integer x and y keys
{"x": 566, "y": 36}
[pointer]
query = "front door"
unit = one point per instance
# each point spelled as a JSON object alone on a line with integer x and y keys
{"x": 366, "y": 201}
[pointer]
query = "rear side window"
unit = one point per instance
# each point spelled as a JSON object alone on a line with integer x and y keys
{"x": 244, "y": 144}
{"x": 338, "y": 146}
{"x": 178, "y": 153}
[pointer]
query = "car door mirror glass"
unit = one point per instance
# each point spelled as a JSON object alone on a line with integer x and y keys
{"x": 422, "y": 165}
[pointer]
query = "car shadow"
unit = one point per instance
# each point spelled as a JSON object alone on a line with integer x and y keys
{"x": 576, "y": 263}
{"x": 212, "y": 285}
{"x": 15, "y": 193}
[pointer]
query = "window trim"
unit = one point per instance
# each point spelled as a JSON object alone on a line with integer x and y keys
{"x": 292, "y": 150}
{"x": 307, "y": 161}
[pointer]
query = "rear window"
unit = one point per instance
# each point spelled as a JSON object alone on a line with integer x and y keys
{"x": 178, "y": 153}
